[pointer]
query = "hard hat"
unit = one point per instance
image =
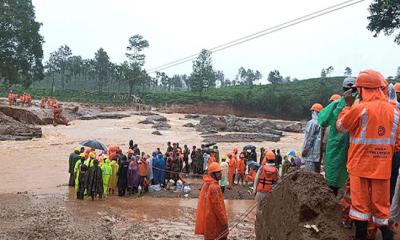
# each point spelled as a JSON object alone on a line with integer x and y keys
{"x": 82, "y": 155}
{"x": 397, "y": 87}
{"x": 229, "y": 155}
{"x": 349, "y": 82}
{"x": 92, "y": 155}
{"x": 214, "y": 167}
{"x": 223, "y": 157}
{"x": 316, "y": 107}
{"x": 130, "y": 151}
{"x": 370, "y": 79}
{"x": 105, "y": 156}
{"x": 334, "y": 97}
{"x": 270, "y": 155}
{"x": 77, "y": 149}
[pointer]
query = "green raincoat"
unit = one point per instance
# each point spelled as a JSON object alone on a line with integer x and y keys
{"x": 106, "y": 170}
{"x": 336, "y": 146}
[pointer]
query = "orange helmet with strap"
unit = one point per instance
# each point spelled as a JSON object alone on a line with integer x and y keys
{"x": 316, "y": 107}
{"x": 270, "y": 156}
{"x": 370, "y": 79}
{"x": 214, "y": 167}
{"x": 334, "y": 97}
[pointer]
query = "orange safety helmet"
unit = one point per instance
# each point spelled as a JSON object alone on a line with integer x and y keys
{"x": 334, "y": 97}
{"x": 214, "y": 167}
{"x": 316, "y": 107}
{"x": 397, "y": 87}
{"x": 130, "y": 151}
{"x": 370, "y": 79}
{"x": 270, "y": 156}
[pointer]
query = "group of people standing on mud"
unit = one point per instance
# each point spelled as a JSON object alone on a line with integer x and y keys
{"x": 25, "y": 99}
{"x": 357, "y": 139}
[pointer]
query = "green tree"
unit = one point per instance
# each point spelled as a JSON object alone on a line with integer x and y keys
{"x": 275, "y": 77}
{"x": 385, "y": 17}
{"x": 135, "y": 49}
{"x": 249, "y": 76}
{"x": 165, "y": 80}
{"x": 203, "y": 75}
{"x": 220, "y": 77}
{"x": 329, "y": 70}
{"x": 21, "y": 50}
{"x": 348, "y": 72}
{"x": 102, "y": 66}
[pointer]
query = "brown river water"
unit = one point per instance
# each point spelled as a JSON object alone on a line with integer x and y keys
{"x": 40, "y": 167}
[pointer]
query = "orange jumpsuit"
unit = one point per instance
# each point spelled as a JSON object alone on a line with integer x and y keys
{"x": 240, "y": 169}
{"x": 232, "y": 170}
{"x": 211, "y": 217}
{"x": 49, "y": 103}
{"x": 373, "y": 125}
{"x": 10, "y": 99}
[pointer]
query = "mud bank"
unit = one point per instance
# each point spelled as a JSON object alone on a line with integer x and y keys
{"x": 302, "y": 198}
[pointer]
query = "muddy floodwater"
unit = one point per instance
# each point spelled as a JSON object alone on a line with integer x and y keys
{"x": 38, "y": 171}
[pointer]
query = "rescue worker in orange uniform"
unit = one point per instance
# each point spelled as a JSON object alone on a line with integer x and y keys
{"x": 211, "y": 217}
{"x": 231, "y": 169}
{"x": 10, "y": 98}
{"x": 143, "y": 173}
{"x": 58, "y": 118}
{"x": 241, "y": 167}
{"x": 48, "y": 102}
{"x": 42, "y": 102}
{"x": 54, "y": 102}
{"x": 373, "y": 125}
{"x": 267, "y": 176}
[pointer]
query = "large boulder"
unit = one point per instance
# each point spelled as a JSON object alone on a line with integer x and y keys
{"x": 214, "y": 122}
{"x": 190, "y": 125}
{"x": 156, "y": 118}
{"x": 161, "y": 126}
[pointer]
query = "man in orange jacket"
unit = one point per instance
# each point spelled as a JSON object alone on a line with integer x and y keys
{"x": 211, "y": 217}
{"x": 373, "y": 125}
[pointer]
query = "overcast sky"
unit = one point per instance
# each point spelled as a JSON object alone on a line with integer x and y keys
{"x": 178, "y": 28}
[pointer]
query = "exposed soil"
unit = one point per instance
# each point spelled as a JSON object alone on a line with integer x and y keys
{"x": 301, "y": 198}
{"x": 56, "y": 216}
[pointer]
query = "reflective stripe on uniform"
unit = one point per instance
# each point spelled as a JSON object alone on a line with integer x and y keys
{"x": 376, "y": 141}
{"x": 380, "y": 221}
{"x": 359, "y": 215}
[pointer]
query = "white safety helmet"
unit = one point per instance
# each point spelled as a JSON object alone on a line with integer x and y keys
{"x": 349, "y": 82}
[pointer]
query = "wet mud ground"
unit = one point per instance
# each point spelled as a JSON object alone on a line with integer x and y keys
{"x": 35, "y": 202}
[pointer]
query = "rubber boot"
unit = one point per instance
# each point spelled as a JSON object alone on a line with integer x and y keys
{"x": 361, "y": 230}
{"x": 387, "y": 234}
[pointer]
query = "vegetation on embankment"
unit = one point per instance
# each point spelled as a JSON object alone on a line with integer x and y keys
{"x": 287, "y": 100}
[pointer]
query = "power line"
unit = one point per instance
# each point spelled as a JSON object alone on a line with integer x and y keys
{"x": 262, "y": 33}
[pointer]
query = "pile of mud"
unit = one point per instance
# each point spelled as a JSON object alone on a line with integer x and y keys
{"x": 11, "y": 129}
{"x": 301, "y": 200}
